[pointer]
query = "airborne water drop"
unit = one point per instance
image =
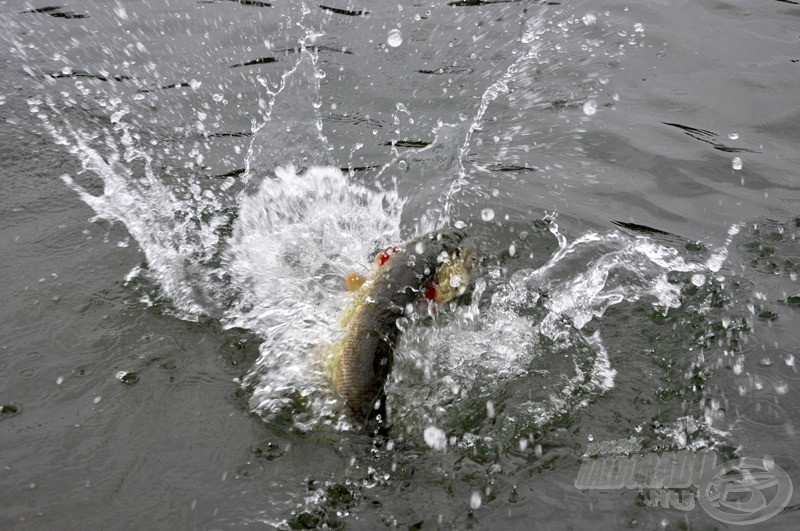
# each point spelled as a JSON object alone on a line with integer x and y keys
{"x": 395, "y": 38}
{"x": 475, "y": 500}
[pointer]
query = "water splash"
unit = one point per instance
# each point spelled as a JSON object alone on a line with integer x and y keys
{"x": 164, "y": 220}
{"x": 529, "y": 329}
{"x": 294, "y": 241}
{"x": 291, "y": 134}
{"x": 499, "y": 87}
{"x": 268, "y": 251}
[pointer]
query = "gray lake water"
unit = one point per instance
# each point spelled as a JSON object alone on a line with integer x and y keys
{"x": 186, "y": 184}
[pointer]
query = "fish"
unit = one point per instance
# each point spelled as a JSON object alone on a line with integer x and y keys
{"x": 435, "y": 267}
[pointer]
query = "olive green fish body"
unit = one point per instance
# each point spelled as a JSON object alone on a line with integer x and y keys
{"x": 362, "y": 359}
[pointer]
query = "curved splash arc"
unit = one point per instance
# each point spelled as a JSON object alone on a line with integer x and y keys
{"x": 179, "y": 255}
{"x": 291, "y": 135}
{"x": 495, "y": 90}
{"x": 613, "y": 268}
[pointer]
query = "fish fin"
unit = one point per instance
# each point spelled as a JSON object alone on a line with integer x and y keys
{"x": 354, "y": 281}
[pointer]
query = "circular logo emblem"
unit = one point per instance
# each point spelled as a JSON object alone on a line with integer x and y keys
{"x": 745, "y": 491}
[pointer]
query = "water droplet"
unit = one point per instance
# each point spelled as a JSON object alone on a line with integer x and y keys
{"x": 117, "y": 116}
{"x": 402, "y": 165}
{"x": 698, "y": 279}
{"x": 512, "y": 249}
{"x": 490, "y": 414}
{"x": 590, "y": 107}
{"x": 487, "y": 214}
{"x": 435, "y": 438}
{"x": 733, "y": 136}
{"x": 589, "y": 19}
{"x": 402, "y": 324}
{"x": 395, "y": 38}
{"x": 537, "y": 451}
{"x": 475, "y": 500}
{"x": 737, "y": 163}
{"x": 126, "y": 377}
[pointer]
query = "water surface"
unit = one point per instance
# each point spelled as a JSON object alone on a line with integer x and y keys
{"x": 186, "y": 186}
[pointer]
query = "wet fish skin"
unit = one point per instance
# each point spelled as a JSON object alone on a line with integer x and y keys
{"x": 362, "y": 360}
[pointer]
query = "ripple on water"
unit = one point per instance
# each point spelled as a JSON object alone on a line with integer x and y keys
{"x": 249, "y": 470}
{"x": 83, "y": 370}
{"x": 764, "y": 412}
{"x": 269, "y": 449}
{"x": 28, "y": 373}
{"x": 35, "y": 355}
